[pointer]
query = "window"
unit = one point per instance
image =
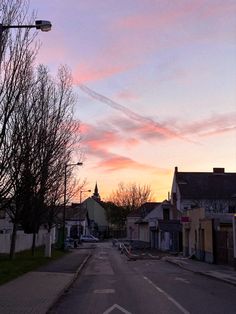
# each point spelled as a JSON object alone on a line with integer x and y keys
{"x": 166, "y": 214}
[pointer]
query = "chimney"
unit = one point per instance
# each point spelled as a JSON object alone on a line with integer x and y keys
{"x": 218, "y": 170}
{"x": 176, "y": 169}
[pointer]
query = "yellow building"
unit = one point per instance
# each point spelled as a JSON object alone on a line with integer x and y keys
{"x": 208, "y": 236}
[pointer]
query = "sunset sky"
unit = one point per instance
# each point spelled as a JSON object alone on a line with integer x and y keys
{"x": 156, "y": 85}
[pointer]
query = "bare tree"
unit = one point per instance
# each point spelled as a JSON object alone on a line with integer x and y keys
{"x": 16, "y": 57}
{"x": 49, "y": 136}
{"x": 130, "y": 196}
{"x": 37, "y": 131}
{"x": 17, "y": 53}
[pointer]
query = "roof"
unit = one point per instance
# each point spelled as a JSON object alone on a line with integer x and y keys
{"x": 143, "y": 210}
{"x": 206, "y": 185}
{"x": 76, "y": 212}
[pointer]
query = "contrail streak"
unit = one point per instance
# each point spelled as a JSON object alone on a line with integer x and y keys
{"x": 129, "y": 113}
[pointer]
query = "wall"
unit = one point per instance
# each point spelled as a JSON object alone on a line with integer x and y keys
{"x": 144, "y": 232}
{"x": 96, "y": 212}
{"x": 207, "y": 226}
{"x": 190, "y": 238}
{"x": 23, "y": 240}
{"x": 156, "y": 213}
{"x": 198, "y": 235}
{"x": 164, "y": 240}
{"x": 132, "y": 228}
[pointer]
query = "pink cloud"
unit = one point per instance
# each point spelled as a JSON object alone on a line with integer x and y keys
{"x": 175, "y": 13}
{"x": 107, "y": 138}
{"x": 97, "y": 139}
{"x": 146, "y": 123}
{"x": 98, "y": 143}
{"x": 85, "y": 73}
{"x": 131, "y": 37}
{"x": 213, "y": 125}
{"x": 127, "y": 95}
{"x": 166, "y": 17}
{"x": 219, "y": 131}
{"x": 117, "y": 163}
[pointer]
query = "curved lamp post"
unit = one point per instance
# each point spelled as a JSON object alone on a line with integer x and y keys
{"x": 64, "y": 203}
{"x": 80, "y": 199}
{"x": 44, "y": 26}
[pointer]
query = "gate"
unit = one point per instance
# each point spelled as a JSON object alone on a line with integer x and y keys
{"x": 224, "y": 247}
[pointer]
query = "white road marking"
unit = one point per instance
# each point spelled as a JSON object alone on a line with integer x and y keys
{"x": 179, "y": 306}
{"x": 182, "y": 279}
{"x": 116, "y": 306}
{"x": 105, "y": 291}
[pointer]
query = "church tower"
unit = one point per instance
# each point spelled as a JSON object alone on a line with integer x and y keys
{"x": 96, "y": 195}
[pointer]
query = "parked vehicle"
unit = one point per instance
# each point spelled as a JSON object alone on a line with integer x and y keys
{"x": 88, "y": 238}
{"x": 69, "y": 243}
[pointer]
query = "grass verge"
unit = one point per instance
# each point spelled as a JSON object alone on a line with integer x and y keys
{"x": 24, "y": 262}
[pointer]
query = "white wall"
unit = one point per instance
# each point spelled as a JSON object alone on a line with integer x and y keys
{"x": 164, "y": 240}
{"x": 144, "y": 233}
{"x": 132, "y": 228}
{"x": 23, "y": 240}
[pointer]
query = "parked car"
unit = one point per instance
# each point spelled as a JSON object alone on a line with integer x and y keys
{"x": 88, "y": 238}
{"x": 69, "y": 243}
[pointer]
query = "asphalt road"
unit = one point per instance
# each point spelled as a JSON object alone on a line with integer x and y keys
{"x": 111, "y": 284}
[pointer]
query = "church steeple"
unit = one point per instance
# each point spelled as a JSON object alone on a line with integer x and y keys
{"x": 96, "y": 194}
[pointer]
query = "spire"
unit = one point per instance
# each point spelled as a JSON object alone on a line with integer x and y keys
{"x": 96, "y": 194}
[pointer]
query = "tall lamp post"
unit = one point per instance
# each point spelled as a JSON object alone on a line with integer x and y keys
{"x": 44, "y": 26}
{"x": 80, "y": 199}
{"x": 64, "y": 203}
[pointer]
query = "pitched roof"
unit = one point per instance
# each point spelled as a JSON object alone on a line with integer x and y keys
{"x": 206, "y": 185}
{"x": 97, "y": 200}
{"x": 143, "y": 210}
{"x": 76, "y": 212}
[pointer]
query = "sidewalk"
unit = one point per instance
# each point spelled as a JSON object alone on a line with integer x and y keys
{"x": 219, "y": 272}
{"x": 37, "y": 291}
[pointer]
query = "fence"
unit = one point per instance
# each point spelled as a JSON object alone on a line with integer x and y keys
{"x": 23, "y": 241}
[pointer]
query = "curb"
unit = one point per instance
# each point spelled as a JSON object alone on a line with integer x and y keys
{"x": 77, "y": 272}
{"x": 201, "y": 273}
{"x": 66, "y": 288}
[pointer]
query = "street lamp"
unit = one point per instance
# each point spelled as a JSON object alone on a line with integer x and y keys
{"x": 44, "y": 26}
{"x": 64, "y": 206}
{"x": 80, "y": 199}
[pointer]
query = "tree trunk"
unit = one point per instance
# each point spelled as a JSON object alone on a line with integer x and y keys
{"x": 48, "y": 245}
{"x": 13, "y": 242}
{"x": 33, "y": 244}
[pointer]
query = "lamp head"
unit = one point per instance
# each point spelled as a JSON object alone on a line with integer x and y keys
{"x": 44, "y": 26}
